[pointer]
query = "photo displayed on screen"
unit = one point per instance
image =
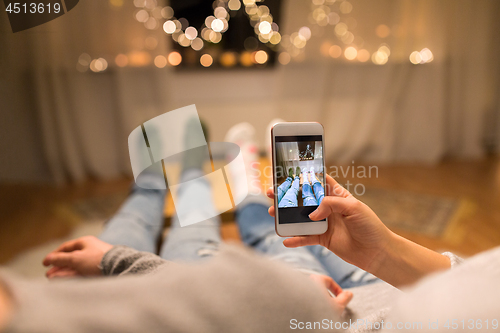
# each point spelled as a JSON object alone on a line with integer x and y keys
{"x": 299, "y": 176}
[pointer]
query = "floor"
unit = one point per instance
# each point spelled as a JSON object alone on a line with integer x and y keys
{"x": 31, "y": 214}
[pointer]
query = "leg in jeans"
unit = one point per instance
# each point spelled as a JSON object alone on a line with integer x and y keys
{"x": 257, "y": 230}
{"x": 197, "y": 241}
{"x": 345, "y": 274}
{"x": 290, "y": 199}
{"x": 284, "y": 187}
{"x": 139, "y": 221}
{"x": 307, "y": 192}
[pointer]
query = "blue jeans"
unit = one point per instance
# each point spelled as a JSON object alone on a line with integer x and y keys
{"x": 139, "y": 222}
{"x": 319, "y": 191}
{"x": 284, "y": 187}
{"x": 290, "y": 199}
{"x": 307, "y": 193}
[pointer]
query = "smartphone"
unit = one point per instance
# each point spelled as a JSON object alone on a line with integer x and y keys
{"x": 298, "y": 177}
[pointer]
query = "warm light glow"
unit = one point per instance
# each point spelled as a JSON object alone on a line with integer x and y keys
{"x": 379, "y": 58}
{"x": 363, "y": 55}
{"x": 246, "y": 59}
{"x": 265, "y": 27}
{"x": 167, "y": 12}
{"x": 215, "y": 37}
{"x": 298, "y": 41}
{"x": 209, "y": 20}
{"x": 345, "y": 7}
{"x": 220, "y": 12}
{"x": 325, "y": 48}
{"x": 160, "y": 61}
{"x": 169, "y": 27}
{"x": 139, "y": 3}
{"x": 206, "y": 60}
{"x": 260, "y": 57}
{"x": 121, "y": 60}
{"x": 415, "y": 57}
{"x": 284, "y": 58}
{"x": 142, "y": 16}
{"x": 335, "y": 51}
{"x": 174, "y": 58}
{"x": 228, "y": 59}
{"x": 191, "y": 33}
{"x": 197, "y": 44}
{"x": 426, "y": 55}
{"x": 116, "y": 3}
{"x": 217, "y": 25}
{"x": 385, "y": 49}
{"x": 234, "y": 4}
{"x": 305, "y": 32}
{"x": 341, "y": 29}
{"x": 382, "y": 31}
{"x": 98, "y": 65}
{"x": 275, "y": 38}
{"x": 333, "y": 18}
{"x": 347, "y": 38}
{"x": 350, "y": 53}
{"x": 183, "y": 40}
{"x": 139, "y": 59}
{"x": 151, "y": 23}
{"x": 84, "y": 59}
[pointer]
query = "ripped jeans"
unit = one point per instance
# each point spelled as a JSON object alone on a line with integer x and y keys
{"x": 139, "y": 222}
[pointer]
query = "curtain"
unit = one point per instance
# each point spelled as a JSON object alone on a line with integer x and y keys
{"x": 75, "y": 125}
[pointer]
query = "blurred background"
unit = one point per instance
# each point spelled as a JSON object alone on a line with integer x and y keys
{"x": 409, "y": 86}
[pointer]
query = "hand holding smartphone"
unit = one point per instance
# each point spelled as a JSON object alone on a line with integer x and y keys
{"x": 298, "y": 177}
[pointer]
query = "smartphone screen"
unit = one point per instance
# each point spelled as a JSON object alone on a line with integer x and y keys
{"x": 300, "y": 177}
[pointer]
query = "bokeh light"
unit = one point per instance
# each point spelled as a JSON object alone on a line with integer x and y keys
{"x": 260, "y": 57}
{"x": 363, "y": 55}
{"x": 169, "y": 27}
{"x": 265, "y": 27}
{"x": 191, "y": 33}
{"x": 228, "y": 59}
{"x": 284, "y": 58}
{"x": 98, "y": 65}
{"x": 206, "y": 60}
{"x": 197, "y": 44}
{"x": 382, "y": 31}
{"x": 121, "y": 60}
{"x": 350, "y": 53}
{"x": 246, "y": 59}
{"x": 174, "y": 58}
{"x": 335, "y": 51}
{"x": 234, "y": 4}
{"x": 160, "y": 61}
{"x": 139, "y": 59}
{"x": 217, "y": 25}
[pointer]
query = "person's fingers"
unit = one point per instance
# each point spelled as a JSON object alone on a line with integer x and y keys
{"x": 64, "y": 273}
{"x": 270, "y": 193}
{"x": 330, "y": 205}
{"x": 301, "y": 241}
{"x": 72, "y": 245}
{"x": 60, "y": 259}
{"x": 271, "y": 211}
{"x": 335, "y": 189}
{"x": 52, "y": 270}
{"x": 343, "y": 298}
{"x": 331, "y": 285}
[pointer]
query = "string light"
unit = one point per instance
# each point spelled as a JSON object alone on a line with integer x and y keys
{"x": 422, "y": 57}
{"x": 206, "y": 60}
{"x": 174, "y": 58}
